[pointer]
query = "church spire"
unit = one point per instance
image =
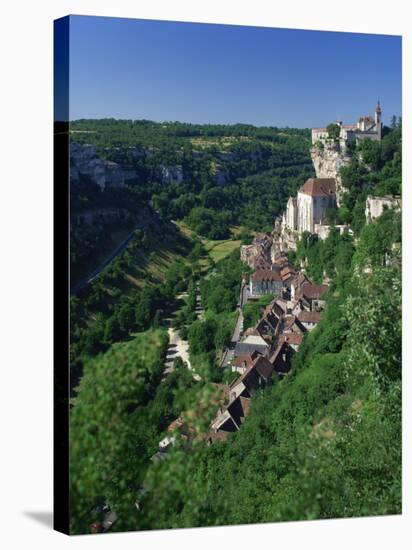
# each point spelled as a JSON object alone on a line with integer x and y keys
{"x": 378, "y": 108}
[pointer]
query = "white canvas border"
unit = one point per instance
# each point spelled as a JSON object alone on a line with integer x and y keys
{"x": 26, "y": 289}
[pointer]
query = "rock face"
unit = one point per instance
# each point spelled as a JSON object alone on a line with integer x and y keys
{"x": 327, "y": 161}
{"x": 375, "y": 206}
{"x": 169, "y": 174}
{"x": 98, "y": 218}
{"x": 105, "y": 173}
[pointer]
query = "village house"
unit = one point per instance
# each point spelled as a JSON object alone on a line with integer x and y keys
{"x": 266, "y": 352}
{"x": 266, "y": 326}
{"x": 292, "y": 339}
{"x": 258, "y": 375}
{"x": 291, "y": 324}
{"x": 309, "y": 319}
{"x": 310, "y": 297}
{"x": 251, "y": 344}
{"x": 265, "y": 281}
{"x": 281, "y": 358}
{"x": 257, "y": 254}
{"x": 287, "y": 274}
{"x": 297, "y": 283}
{"x": 243, "y": 362}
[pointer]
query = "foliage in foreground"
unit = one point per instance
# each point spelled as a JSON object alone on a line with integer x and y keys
{"x": 323, "y": 443}
{"x": 111, "y": 432}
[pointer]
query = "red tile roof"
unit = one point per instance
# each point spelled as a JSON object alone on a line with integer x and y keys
{"x": 240, "y": 360}
{"x": 313, "y": 292}
{"x": 319, "y": 187}
{"x": 265, "y": 275}
{"x": 291, "y": 338}
{"x": 264, "y": 367}
{"x": 287, "y": 272}
{"x": 309, "y": 316}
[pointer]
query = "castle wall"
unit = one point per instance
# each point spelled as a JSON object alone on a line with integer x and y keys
{"x": 319, "y": 135}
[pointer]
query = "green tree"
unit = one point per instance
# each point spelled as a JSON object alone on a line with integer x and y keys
{"x": 333, "y": 131}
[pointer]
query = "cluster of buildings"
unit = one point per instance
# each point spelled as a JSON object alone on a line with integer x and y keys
{"x": 270, "y": 273}
{"x": 261, "y": 357}
{"x": 265, "y": 353}
{"x": 367, "y": 127}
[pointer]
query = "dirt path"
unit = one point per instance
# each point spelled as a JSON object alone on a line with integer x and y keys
{"x": 177, "y": 348}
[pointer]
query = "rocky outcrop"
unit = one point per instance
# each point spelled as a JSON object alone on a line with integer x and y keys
{"x": 328, "y": 159}
{"x": 84, "y": 162}
{"x": 169, "y": 174}
{"x": 375, "y": 206}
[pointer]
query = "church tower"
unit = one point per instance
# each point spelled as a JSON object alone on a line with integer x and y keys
{"x": 378, "y": 120}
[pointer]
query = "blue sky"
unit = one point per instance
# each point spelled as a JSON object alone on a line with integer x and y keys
{"x": 163, "y": 71}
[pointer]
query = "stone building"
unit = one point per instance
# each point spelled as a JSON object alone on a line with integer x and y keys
{"x": 310, "y": 207}
{"x": 266, "y": 281}
{"x": 367, "y": 127}
{"x": 257, "y": 254}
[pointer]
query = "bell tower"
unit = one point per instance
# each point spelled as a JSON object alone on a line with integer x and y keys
{"x": 378, "y": 120}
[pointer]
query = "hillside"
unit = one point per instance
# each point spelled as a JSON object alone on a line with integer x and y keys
{"x": 322, "y": 441}
{"x": 325, "y": 442}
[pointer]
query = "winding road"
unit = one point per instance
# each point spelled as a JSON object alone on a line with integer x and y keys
{"x": 230, "y": 351}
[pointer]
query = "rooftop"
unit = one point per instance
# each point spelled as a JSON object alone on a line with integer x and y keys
{"x": 255, "y": 340}
{"x": 243, "y": 360}
{"x": 309, "y": 316}
{"x": 265, "y": 275}
{"x": 319, "y": 187}
{"x": 291, "y": 338}
{"x": 313, "y": 292}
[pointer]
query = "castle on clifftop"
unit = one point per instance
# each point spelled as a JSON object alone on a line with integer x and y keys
{"x": 367, "y": 127}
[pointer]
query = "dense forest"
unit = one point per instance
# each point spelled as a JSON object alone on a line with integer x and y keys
{"x": 323, "y": 442}
{"x": 228, "y": 174}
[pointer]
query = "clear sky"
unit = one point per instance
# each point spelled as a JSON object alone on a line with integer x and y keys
{"x": 166, "y": 71}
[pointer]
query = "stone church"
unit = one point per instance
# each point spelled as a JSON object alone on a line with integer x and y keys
{"x": 311, "y": 205}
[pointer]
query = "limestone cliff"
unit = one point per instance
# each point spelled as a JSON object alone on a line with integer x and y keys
{"x": 84, "y": 161}
{"x": 328, "y": 159}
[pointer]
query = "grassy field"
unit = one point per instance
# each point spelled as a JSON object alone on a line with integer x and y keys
{"x": 217, "y": 250}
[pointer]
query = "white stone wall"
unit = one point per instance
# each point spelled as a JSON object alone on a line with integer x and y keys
{"x": 291, "y": 214}
{"x": 376, "y": 205}
{"x": 323, "y": 230}
{"x": 305, "y": 213}
{"x": 319, "y": 135}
